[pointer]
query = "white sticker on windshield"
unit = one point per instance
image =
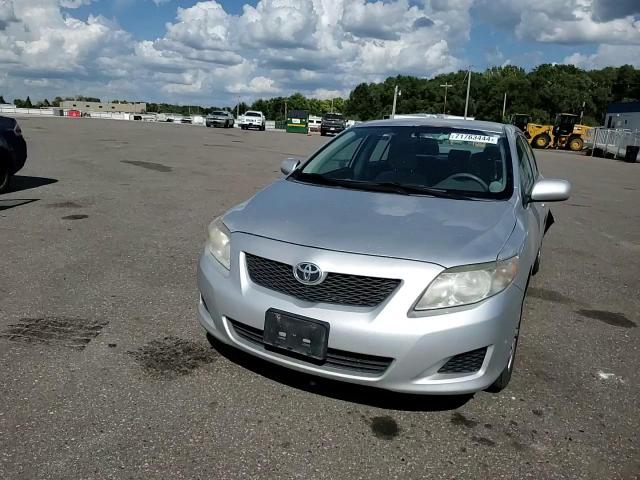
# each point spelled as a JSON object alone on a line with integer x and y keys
{"x": 471, "y": 137}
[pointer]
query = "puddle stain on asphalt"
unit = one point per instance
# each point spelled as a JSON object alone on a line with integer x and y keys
{"x": 64, "y": 205}
{"x": 158, "y": 167}
{"x": 173, "y": 356}
{"x": 461, "y": 421}
{"x": 73, "y": 333}
{"x": 548, "y": 295}
{"x": 75, "y": 217}
{"x": 610, "y": 318}
{"x": 385, "y": 427}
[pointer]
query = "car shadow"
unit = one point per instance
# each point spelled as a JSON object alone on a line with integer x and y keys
{"x": 23, "y": 182}
{"x": 7, "y": 203}
{"x": 347, "y": 392}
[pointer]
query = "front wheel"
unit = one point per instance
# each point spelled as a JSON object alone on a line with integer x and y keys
{"x": 263, "y": 128}
{"x": 576, "y": 144}
{"x": 542, "y": 141}
{"x": 505, "y": 377}
{"x": 5, "y": 177}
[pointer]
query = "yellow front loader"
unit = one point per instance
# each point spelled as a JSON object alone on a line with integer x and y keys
{"x": 566, "y": 133}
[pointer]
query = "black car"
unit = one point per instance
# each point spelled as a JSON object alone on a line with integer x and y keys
{"x": 332, "y": 123}
{"x": 13, "y": 150}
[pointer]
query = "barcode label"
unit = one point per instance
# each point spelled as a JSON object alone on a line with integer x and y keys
{"x": 470, "y": 137}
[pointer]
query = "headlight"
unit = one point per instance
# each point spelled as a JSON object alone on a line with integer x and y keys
{"x": 218, "y": 242}
{"x": 470, "y": 284}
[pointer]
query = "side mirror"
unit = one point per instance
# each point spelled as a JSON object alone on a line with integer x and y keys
{"x": 548, "y": 190}
{"x": 289, "y": 165}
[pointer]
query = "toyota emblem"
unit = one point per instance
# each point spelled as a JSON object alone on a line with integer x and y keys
{"x": 308, "y": 273}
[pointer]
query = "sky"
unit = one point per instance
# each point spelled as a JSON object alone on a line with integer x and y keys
{"x": 215, "y": 52}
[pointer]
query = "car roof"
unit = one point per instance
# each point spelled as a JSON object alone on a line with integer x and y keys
{"x": 438, "y": 122}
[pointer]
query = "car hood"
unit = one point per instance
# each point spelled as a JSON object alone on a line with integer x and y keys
{"x": 436, "y": 230}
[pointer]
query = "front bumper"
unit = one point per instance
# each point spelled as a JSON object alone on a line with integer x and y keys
{"x": 418, "y": 345}
{"x": 216, "y": 122}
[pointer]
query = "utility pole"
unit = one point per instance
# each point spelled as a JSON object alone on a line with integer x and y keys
{"x": 285, "y": 109}
{"x": 446, "y": 87}
{"x": 238, "y": 108}
{"x": 466, "y": 103}
{"x": 582, "y": 111}
{"x": 332, "y": 105}
{"x": 504, "y": 105}
{"x": 396, "y": 94}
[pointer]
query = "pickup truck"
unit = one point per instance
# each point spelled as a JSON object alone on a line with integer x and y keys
{"x": 332, "y": 123}
{"x": 13, "y": 151}
{"x": 252, "y": 119}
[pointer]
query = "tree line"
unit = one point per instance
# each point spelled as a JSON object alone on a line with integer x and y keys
{"x": 542, "y": 93}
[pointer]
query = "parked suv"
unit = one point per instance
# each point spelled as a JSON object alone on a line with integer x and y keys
{"x": 252, "y": 119}
{"x": 333, "y": 123}
{"x": 13, "y": 151}
{"x": 220, "y": 119}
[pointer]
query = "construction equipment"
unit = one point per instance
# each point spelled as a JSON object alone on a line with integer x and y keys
{"x": 565, "y": 133}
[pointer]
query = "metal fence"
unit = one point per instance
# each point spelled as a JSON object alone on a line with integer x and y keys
{"x": 611, "y": 141}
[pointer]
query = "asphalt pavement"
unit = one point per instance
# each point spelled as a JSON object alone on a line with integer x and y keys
{"x": 105, "y": 372}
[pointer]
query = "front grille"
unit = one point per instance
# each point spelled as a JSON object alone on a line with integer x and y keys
{"x": 338, "y": 288}
{"x": 467, "y": 362}
{"x": 357, "y": 362}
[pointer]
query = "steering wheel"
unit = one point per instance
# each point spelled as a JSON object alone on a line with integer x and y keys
{"x": 467, "y": 175}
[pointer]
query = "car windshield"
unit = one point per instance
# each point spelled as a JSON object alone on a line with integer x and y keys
{"x": 252, "y": 114}
{"x": 333, "y": 116}
{"x": 429, "y": 160}
{"x": 224, "y": 114}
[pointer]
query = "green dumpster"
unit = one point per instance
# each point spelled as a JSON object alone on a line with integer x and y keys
{"x": 298, "y": 121}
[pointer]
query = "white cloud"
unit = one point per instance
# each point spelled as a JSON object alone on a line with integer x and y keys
{"x": 605, "y": 56}
{"x": 257, "y": 85}
{"x": 565, "y": 21}
{"x": 318, "y": 47}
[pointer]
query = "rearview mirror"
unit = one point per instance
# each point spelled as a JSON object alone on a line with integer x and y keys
{"x": 549, "y": 190}
{"x": 289, "y": 165}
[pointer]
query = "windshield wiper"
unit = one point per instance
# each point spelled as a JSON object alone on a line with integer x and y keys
{"x": 416, "y": 189}
{"x": 393, "y": 187}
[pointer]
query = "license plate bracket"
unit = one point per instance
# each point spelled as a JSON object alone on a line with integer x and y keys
{"x": 296, "y": 334}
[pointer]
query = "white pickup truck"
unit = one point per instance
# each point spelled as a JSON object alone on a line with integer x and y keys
{"x": 252, "y": 119}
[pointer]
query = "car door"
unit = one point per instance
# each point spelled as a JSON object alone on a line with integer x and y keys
{"x": 531, "y": 211}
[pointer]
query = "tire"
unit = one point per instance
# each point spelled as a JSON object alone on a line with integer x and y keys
{"x": 536, "y": 264}
{"x": 5, "y": 177}
{"x": 505, "y": 376}
{"x": 541, "y": 141}
{"x": 226, "y": 124}
{"x": 323, "y": 133}
{"x": 263, "y": 128}
{"x": 576, "y": 144}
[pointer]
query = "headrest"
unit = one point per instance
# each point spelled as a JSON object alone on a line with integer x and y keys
{"x": 402, "y": 153}
{"x": 428, "y": 146}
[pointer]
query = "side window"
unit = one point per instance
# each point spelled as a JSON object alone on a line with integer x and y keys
{"x": 381, "y": 150}
{"x": 524, "y": 167}
{"x": 344, "y": 149}
{"x": 532, "y": 160}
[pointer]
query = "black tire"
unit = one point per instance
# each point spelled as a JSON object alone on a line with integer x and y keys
{"x": 5, "y": 177}
{"x": 536, "y": 264}
{"x": 323, "y": 133}
{"x": 263, "y": 128}
{"x": 541, "y": 141}
{"x": 575, "y": 144}
{"x": 226, "y": 124}
{"x": 505, "y": 377}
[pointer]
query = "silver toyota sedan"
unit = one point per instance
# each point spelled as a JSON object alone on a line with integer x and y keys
{"x": 397, "y": 256}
